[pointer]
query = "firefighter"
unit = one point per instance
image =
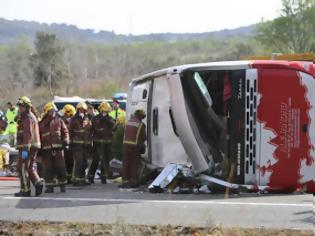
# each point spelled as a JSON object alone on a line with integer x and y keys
{"x": 118, "y": 138}
{"x": 81, "y": 142}
{"x": 28, "y": 143}
{"x": 117, "y": 111}
{"x": 102, "y": 132}
{"x": 67, "y": 112}
{"x": 55, "y": 138}
{"x": 133, "y": 147}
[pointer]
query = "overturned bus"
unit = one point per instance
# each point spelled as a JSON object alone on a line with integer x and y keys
{"x": 245, "y": 122}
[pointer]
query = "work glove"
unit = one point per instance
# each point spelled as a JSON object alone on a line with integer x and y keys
{"x": 24, "y": 154}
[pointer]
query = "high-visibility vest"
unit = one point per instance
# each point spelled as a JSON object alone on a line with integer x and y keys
{"x": 117, "y": 113}
{"x": 12, "y": 125}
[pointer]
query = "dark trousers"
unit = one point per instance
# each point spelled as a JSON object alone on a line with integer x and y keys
{"x": 69, "y": 163}
{"x": 54, "y": 165}
{"x": 79, "y": 165}
{"x": 131, "y": 162}
{"x": 102, "y": 154}
{"x": 27, "y": 170}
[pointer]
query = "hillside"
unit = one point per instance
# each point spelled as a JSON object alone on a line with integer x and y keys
{"x": 11, "y": 29}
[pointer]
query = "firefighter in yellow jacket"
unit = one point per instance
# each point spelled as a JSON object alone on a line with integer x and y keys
{"x": 28, "y": 143}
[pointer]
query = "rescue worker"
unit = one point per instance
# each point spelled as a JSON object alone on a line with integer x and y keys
{"x": 117, "y": 111}
{"x": 133, "y": 147}
{"x": 3, "y": 124}
{"x": 102, "y": 133}
{"x": 81, "y": 141}
{"x": 67, "y": 112}
{"x": 55, "y": 138}
{"x": 12, "y": 125}
{"x": 118, "y": 138}
{"x": 28, "y": 143}
{"x": 91, "y": 111}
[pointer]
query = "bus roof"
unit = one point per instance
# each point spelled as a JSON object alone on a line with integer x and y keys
{"x": 307, "y": 67}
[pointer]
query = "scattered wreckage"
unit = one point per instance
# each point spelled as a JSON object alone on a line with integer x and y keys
{"x": 240, "y": 125}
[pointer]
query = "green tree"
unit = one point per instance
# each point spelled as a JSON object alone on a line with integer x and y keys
{"x": 48, "y": 62}
{"x": 293, "y": 31}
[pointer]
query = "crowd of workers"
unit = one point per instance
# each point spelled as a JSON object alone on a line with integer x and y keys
{"x": 65, "y": 140}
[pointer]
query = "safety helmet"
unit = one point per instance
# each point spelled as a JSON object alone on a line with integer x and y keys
{"x": 105, "y": 107}
{"x": 24, "y": 101}
{"x": 50, "y": 106}
{"x": 82, "y": 105}
{"x": 68, "y": 110}
{"x": 140, "y": 113}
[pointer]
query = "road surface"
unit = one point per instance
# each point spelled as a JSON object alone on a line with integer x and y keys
{"x": 108, "y": 204}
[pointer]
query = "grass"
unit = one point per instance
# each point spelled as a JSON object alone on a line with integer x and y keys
{"x": 82, "y": 229}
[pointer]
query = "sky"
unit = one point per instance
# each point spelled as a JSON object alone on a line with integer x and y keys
{"x": 144, "y": 16}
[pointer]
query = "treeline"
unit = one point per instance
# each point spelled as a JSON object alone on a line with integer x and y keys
{"x": 88, "y": 63}
{"x": 53, "y": 66}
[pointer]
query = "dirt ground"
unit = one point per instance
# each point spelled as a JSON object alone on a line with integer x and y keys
{"x": 79, "y": 229}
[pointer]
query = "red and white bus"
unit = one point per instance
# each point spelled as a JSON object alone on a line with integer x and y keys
{"x": 257, "y": 116}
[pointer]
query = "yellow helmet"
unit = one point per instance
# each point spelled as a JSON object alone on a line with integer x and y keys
{"x": 105, "y": 107}
{"x": 24, "y": 101}
{"x": 50, "y": 106}
{"x": 68, "y": 110}
{"x": 82, "y": 105}
{"x": 140, "y": 113}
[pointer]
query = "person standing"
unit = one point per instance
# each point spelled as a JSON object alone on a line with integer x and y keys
{"x": 117, "y": 111}
{"x": 12, "y": 125}
{"x": 55, "y": 138}
{"x": 67, "y": 112}
{"x": 28, "y": 143}
{"x": 81, "y": 142}
{"x": 102, "y": 133}
{"x": 133, "y": 145}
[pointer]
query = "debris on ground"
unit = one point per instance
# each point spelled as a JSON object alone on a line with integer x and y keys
{"x": 76, "y": 229}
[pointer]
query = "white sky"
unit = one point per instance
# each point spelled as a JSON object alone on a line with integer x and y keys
{"x": 144, "y": 16}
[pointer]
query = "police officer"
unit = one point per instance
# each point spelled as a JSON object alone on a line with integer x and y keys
{"x": 81, "y": 142}
{"x": 133, "y": 147}
{"x": 55, "y": 137}
{"x": 102, "y": 133}
{"x": 28, "y": 143}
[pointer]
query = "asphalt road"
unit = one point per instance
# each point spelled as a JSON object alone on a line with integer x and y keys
{"x": 108, "y": 204}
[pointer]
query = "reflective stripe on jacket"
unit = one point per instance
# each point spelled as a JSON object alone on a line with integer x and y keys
{"x": 80, "y": 130}
{"x": 135, "y": 132}
{"x": 12, "y": 125}
{"x": 54, "y": 133}
{"x": 28, "y": 131}
{"x": 102, "y": 128}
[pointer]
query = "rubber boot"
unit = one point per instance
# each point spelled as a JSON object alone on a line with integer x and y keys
{"x": 91, "y": 180}
{"x": 38, "y": 188}
{"x": 62, "y": 188}
{"x": 23, "y": 194}
{"x": 49, "y": 189}
{"x": 103, "y": 181}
